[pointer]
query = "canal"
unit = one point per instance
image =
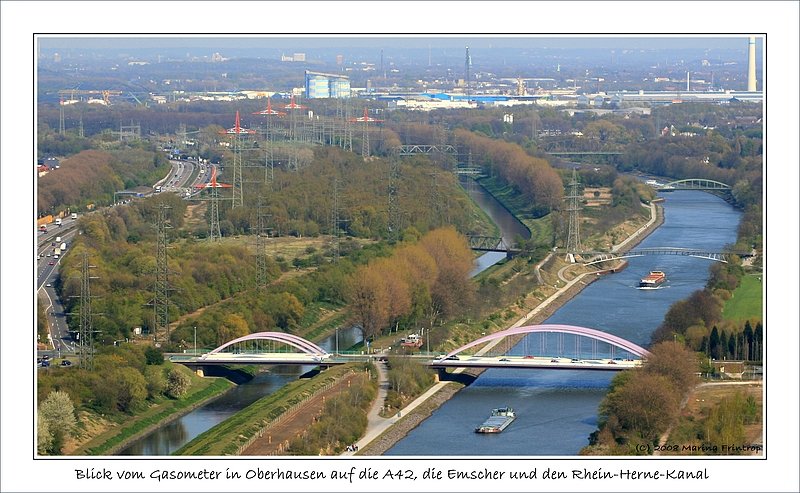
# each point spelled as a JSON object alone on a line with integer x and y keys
{"x": 172, "y": 436}
{"x": 557, "y": 409}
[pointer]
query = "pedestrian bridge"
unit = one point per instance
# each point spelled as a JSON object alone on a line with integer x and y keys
{"x": 716, "y": 256}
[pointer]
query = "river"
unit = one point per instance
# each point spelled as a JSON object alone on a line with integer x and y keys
{"x": 557, "y": 409}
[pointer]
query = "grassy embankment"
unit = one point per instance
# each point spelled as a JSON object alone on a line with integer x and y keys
{"x": 226, "y": 437}
{"x": 746, "y": 302}
{"x": 717, "y": 416}
{"x": 129, "y": 427}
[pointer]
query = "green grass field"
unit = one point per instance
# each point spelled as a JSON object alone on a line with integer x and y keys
{"x": 746, "y": 302}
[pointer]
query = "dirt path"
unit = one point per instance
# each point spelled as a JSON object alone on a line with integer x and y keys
{"x": 275, "y": 439}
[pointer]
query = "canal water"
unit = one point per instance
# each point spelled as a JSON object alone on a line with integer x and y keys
{"x": 557, "y": 409}
{"x": 510, "y": 226}
{"x": 176, "y": 434}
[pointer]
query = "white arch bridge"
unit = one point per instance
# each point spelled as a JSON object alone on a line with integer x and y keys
{"x": 724, "y": 257}
{"x": 694, "y": 184}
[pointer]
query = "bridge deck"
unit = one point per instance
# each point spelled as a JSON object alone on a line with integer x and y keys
{"x": 519, "y": 362}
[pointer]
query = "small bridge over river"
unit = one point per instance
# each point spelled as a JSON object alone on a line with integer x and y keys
{"x": 716, "y": 256}
{"x": 694, "y": 184}
{"x": 561, "y": 347}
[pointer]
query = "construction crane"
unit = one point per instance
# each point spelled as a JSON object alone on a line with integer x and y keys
{"x": 106, "y": 93}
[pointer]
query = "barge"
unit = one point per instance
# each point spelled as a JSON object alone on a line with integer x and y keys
{"x": 653, "y": 280}
{"x": 497, "y": 421}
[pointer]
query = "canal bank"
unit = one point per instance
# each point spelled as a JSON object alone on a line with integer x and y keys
{"x": 383, "y": 435}
{"x": 557, "y": 410}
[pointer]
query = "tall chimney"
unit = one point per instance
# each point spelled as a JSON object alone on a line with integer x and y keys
{"x": 751, "y": 65}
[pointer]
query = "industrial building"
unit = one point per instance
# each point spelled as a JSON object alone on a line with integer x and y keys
{"x": 320, "y": 85}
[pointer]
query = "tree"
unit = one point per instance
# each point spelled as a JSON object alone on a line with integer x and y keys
{"x": 369, "y": 300}
{"x": 156, "y": 383}
{"x": 748, "y": 339}
{"x": 44, "y": 437}
{"x": 232, "y": 327}
{"x": 131, "y": 389}
{"x": 645, "y": 405}
{"x": 153, "y": 356}
{"x": 177, "y": 383}
{"x": 674, "y": 361}
{"x": 713, "y": 343}
{"x": 59, "y": 413}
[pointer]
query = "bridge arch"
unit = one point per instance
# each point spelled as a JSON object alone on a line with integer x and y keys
{"x": 683, "y": 252}
{"x": 303, "y": 345}
{"x": 563, "y": 329}
{"x": 695, "y": 184}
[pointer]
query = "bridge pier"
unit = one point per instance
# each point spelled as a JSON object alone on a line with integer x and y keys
{"x": 199, "y": 371}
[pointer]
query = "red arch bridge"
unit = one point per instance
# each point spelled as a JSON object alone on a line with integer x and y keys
{"x": 548, "y": 346}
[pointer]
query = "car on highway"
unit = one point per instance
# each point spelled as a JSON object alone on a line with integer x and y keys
{"x": 48, "y": 285}
{"x": 51, "y": 263}
{"x": 554, "y": 360}
{"x": 504, "y": 359}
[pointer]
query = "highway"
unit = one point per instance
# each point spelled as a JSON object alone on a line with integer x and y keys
{"x": 524, "y": 362}
{"x": 182, "y": 179}
{"x": 537, "y": 362}
{"x": 47, "y": 265}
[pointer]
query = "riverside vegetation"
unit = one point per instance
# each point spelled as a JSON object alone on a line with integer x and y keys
{"x": 221, "y": 276}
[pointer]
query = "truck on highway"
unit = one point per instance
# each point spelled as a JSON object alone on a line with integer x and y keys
{"x": 73, "y": 216}
{"x": 56, "y": 252}
{"x": 58, "y": 221}
{"x": 43, "y": 228}
{"x": 63, "y": 246}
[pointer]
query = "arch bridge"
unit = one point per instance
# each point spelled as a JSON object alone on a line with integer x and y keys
{"x": 724, "y": 257}
{"x": 694, "y": 184}
{"x": 265, "y": 348}
{"x": 557, "y": 356}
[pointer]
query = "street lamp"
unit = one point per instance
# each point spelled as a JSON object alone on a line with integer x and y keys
{"x": 195, "y": 341}
{"x": 337, "y": 341}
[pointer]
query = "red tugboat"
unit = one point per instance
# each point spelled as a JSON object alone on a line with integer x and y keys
{"x": 653, "y": 280}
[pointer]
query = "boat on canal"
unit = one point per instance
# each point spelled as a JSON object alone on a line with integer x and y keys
{"x": 497, "y": 421}
{"x": 653, "y": 280}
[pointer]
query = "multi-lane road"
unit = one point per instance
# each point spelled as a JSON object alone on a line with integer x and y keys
{"x": 183, "y": 179}
{"x": 60, "y": 340}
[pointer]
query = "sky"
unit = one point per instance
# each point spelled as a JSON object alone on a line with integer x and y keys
{"x": 732, "y": 42}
